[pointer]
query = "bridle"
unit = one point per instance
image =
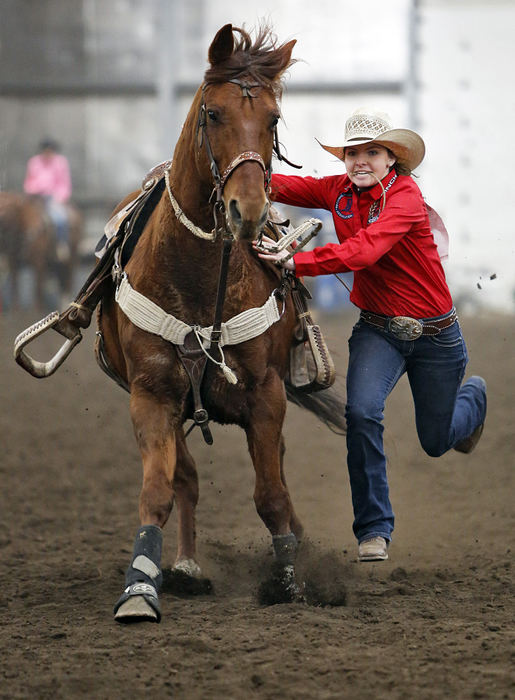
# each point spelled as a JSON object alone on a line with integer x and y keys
{"x": 221, "y": 180}
{"x": 219, "y": 215}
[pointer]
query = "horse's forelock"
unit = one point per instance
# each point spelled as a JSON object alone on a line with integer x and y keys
{"x": 262, "y": 60}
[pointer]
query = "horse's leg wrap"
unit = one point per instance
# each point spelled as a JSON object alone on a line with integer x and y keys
{"x": 281, "y": 586}
{"x": 285, "y": 548}
{"x": 144, "y": 577}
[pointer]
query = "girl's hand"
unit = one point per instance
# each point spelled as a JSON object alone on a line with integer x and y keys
{"x": 276, "y": 258}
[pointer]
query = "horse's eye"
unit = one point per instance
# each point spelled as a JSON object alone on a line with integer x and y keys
{"x": 274, "y": 123}
{"x": 213, "y": 116}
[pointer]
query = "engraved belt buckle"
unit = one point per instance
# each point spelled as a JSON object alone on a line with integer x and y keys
{"x": 405, "y": 328}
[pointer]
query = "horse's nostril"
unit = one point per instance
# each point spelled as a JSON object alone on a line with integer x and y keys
{"x": 264, "y": 215}
{"x": 235, "y": 211}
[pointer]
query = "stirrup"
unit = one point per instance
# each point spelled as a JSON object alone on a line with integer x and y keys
{"x": 45, "y": 369}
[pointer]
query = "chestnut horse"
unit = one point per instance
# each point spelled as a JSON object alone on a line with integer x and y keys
{"x": 227, "y": 140}
{"x": 27, "y": 238}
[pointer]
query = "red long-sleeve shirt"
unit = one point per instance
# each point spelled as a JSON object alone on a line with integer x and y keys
{"x": 397, "y": 269}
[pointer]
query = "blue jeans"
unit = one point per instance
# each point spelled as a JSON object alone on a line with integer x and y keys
{"x": 445, "y": 411}
{"x": 59, "y": 217}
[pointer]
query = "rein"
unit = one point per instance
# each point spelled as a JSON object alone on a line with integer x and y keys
{"x": 181, "y": 216}
{"x": 195, "y": 362}
{"x": 220, "y": 217}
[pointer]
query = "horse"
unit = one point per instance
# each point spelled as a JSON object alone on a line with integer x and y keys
{"x": 25, "y": 239}
{"x": 28, "y": 238}
{"x": 194, "y": 325}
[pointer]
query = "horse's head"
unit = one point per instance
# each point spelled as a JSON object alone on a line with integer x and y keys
{"x": 237, "y": 123}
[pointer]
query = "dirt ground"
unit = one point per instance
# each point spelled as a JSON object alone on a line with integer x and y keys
{"x": 435, "y": 621}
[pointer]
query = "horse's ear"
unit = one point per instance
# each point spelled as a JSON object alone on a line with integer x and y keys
{"x": 222, "y": 45}
{"x": 287, "y": 60}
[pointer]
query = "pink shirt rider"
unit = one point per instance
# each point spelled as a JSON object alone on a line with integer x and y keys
{"x": 49, "y": 176}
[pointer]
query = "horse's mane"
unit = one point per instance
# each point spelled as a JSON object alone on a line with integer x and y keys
{"x": 261, "y": 60}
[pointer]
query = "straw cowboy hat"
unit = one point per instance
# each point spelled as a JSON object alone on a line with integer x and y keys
{"x": 365, "y": 125}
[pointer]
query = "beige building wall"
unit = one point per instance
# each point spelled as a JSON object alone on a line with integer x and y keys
{"x": 94, "y": 75}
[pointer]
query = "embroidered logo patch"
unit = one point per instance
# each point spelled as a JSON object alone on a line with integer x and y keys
{"x": 343, "y": 206}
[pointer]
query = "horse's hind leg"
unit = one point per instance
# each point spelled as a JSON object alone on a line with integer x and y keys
{"x": 157, "y": 443}
{"x": 271, "y": 495}
{"x": 39, "y": 270}
{"x": 185, "y": 487}
{"x": 14, "y": 286}
{"x": 295, "y": 524}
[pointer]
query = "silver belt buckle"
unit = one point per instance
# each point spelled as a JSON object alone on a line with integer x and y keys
{"x": 405, "y": 328}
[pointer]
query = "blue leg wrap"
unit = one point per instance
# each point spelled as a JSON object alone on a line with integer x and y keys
{"x": 144, "y": 577}
{"x": 285, "y": 548}
{"x": 146, "y": 560}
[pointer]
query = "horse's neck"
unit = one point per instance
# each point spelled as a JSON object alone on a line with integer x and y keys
{"x": 191, "y": 184}
{"x": 177, "y": 253}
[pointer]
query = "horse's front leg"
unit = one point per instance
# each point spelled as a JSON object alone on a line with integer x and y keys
{"x": 273, "y": 503}
{"x": 295, "y": 524}
{"x": 157, "y": 442}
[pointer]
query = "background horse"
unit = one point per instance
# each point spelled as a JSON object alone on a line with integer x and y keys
{"x": 230, "y": 129}
{"x": 27, "y": 238}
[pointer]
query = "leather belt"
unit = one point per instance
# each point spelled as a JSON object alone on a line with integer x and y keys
{"x": 407, "y": 328}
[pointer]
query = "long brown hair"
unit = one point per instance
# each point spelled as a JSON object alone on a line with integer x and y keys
{"x": 399, "y": 168}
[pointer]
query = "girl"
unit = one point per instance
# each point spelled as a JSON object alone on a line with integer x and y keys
{"x": 407, "y": 322}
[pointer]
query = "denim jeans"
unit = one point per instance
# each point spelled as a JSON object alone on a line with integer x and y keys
{"x": 59, "y": 217}
{"x": 445, "y": 411}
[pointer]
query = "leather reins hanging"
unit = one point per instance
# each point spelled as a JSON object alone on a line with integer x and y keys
{"x": 219, "y": 206}
{"x": 195, "y": 364}
{"x": 220, "y": 182}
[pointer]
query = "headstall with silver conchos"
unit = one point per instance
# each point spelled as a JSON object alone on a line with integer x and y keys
{"x": 221, "y": 180}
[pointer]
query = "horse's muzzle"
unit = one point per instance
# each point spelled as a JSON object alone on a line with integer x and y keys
{"x": 246, "y": 221}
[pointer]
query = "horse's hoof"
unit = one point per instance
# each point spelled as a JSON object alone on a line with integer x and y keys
{"x": 185, "y": 579}
{"x": 135, "y": 609}
{"x": 281, "y": 587}
{"x": 188, "y": 567}
{"x": 138, "y": 603}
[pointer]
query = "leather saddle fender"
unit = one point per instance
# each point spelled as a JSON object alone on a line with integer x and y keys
{"x": 311, "y": 365}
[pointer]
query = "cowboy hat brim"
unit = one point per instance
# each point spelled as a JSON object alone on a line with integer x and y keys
{"x": 407, "y": 146}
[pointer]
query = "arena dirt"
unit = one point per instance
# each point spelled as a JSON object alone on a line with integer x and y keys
{"x": 435, "y": 621}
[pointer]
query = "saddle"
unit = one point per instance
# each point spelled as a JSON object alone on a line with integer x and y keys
{"x": 310, "y": 369}
{"x": 121, "y": 234}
